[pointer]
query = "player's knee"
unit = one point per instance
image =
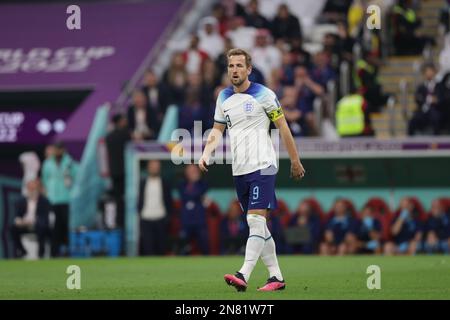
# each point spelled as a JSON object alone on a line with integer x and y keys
{"x": 256, "y": 224}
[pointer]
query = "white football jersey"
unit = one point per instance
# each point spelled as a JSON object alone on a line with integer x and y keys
{"x": 247, "y": 116}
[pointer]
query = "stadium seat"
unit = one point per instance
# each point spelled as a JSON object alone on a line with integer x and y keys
{"x": 384, "y": 214}
{"x": 445, "y": 203}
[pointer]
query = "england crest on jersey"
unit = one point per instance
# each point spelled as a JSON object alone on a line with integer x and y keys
{"x": 248, "y": 107}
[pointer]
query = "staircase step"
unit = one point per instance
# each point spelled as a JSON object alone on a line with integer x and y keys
{"x": 403, "y": 61}
{"x": 428, "y": 5}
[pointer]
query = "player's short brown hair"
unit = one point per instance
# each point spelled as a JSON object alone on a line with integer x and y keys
{"x": 240, "y": 52}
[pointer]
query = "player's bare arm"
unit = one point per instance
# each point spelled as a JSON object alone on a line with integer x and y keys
{"x": 297, "y": 170}
{"x": 213, "y": 140}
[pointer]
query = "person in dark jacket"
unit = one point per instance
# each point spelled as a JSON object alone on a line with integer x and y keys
{"x": 156, "y": 94}
{"x": 437, "y": 228}
{"x": 304, "y": 231}
{"x": 142, "y": 121}
{"x": 254, "y": 18}
{"x": 193, "y": 213}
{"x": 155, "y": 207}
{"x": 428, "y": 113}
{"x": 116, "y": 141}
{"x": 32, "y": 216}
{"x": 285, "y": 25}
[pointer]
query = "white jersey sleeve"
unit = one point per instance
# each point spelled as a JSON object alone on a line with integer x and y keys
{"x": 272, "y": 106}
{"x": 218, "y": 114}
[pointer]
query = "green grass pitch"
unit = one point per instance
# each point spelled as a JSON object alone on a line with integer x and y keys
{"x": 307, "y": 277}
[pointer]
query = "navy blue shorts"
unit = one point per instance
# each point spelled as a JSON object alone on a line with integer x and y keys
{"x": 256, "y": 190}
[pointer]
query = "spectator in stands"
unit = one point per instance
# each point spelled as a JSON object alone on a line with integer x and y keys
{"x": 155, "y": 207}
{"x": 444, "y": 97}
{"x": 222, "y": 60}
{"x": 219, "y": 12}
{"x": 299, "y": 55}
{"x": 437, "y": 239}
{"x": 58, "y": 175}
{"x": 444, "y": 57}
{"x": 368, "y": 233}
{"x": 304, "y": 232}
{"x": 265, "y": 56}
{"x": 49, "y": 151}
{"x": 141, "y": 121}
{"x": 335, "y": 10}
{"x": 175, "y": 79}
{"x": 322, "y": 72}
{"x": 257, "y": 76}
{"x": 194, "y": 108}
{"x": 330, "y": 47}
{"x": 30, "y": 167}
{"x": 275, "y": 81}
{"x": 116, "y": 141}
{"x": 210, "y": 40}
{"x": 210, "y": 80}
{"x": 292, "y": 113}
{"x": 355, "y": 17}
{"x": 340, "y": 230}
{"x": 233, "y": 231}
{"x": 254, "y": 18}
{"x": 241, "y": 35}
{"x": 285, "y": 25}
{"x": 352, "y": 116}
{"x": 287, "y": 69}
{"x": 156, "y": 96}
{"x": 192, "y": 192}
{"x": 444, "y": 18}
{"x": 407, "y": 41}
{"x": 32, "y": 216}
{"x": 308, "y": 90}
{"x": 233, "y": 8}
{"x": 366, "y": 82}
{"x": 345, "y": 43}
{"x": 406, "y": 231}
{"x": 428, "y": 112}
{"x": 193, "y": 57}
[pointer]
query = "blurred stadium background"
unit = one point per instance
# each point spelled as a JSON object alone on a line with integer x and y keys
{"x": 371, "y": 128}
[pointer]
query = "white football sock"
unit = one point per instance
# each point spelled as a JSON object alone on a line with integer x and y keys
{"x": 255, "y": 243}
{"x": 269, "y": 256}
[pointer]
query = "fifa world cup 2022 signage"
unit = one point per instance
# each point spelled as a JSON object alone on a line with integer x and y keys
{"x": 31, "y": 126}
{"x": 65, "y": 59}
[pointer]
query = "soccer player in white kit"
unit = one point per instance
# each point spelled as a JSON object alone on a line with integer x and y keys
{"x": 247, "y": 108}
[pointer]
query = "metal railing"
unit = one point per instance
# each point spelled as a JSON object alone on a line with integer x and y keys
{"x": 344, "y": 78}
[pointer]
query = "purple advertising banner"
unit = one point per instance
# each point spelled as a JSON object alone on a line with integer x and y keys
{"x": 31, "y": 126}
{"x": 319, "y": 148}
{"x": 38, "y": 50}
